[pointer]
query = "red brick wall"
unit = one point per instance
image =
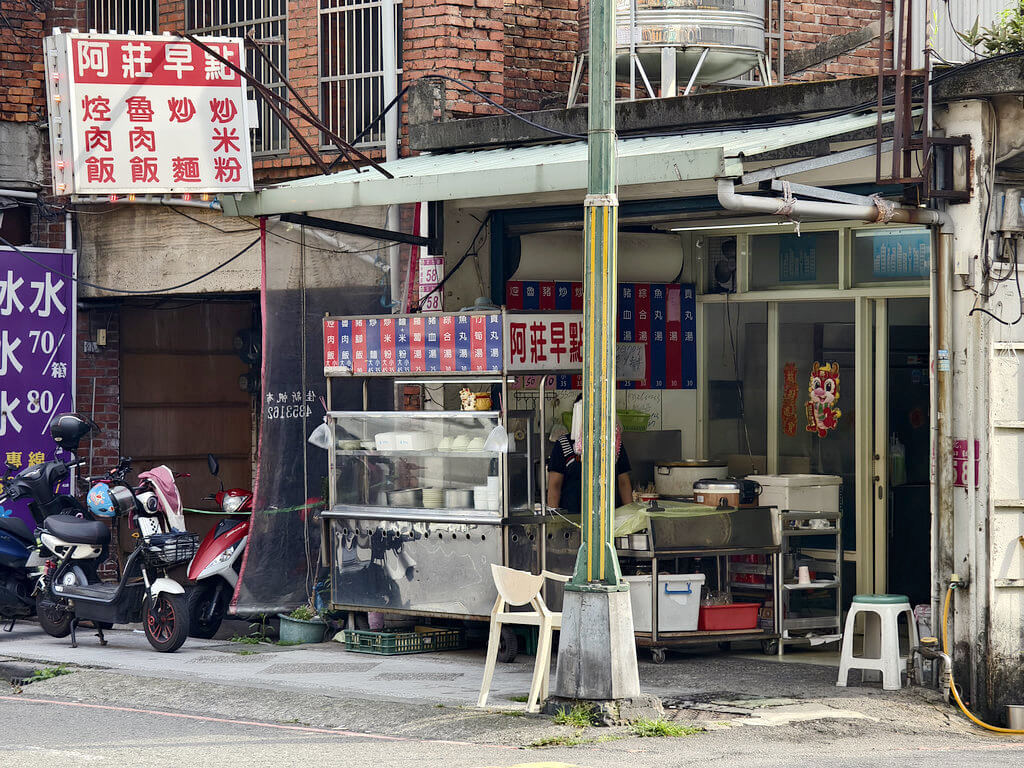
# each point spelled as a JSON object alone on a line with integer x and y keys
{"x": 22, "y": 98}
{"x": 100, "y": 367}
{"x": 811, "y": 23}
{"x": 464, "y": 39}
{"x": 541, "y": 41}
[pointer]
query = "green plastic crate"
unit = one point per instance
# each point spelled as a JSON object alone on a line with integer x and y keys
{"x": 394, "y": 643}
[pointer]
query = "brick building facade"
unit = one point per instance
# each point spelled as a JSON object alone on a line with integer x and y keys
{"x": 517, "y": 54}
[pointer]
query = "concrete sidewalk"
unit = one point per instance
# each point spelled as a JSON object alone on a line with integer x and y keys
{"x": 756, "y": 711}
{"x": 702, "y": 683}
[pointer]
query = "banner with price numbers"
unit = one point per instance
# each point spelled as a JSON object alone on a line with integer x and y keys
{"x": 37, "y": 355}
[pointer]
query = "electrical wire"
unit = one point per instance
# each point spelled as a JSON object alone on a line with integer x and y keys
{"x": 1020, "y": 296}
{"x": 956, "y": 32}
{"x": 206, "y": 223}
{"x": 126, "y": 291}
{"x": 470, "y": 250}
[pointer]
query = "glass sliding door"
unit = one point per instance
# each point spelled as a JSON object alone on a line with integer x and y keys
{"x": 817, "y": 381}
{"x": 736, "y": 366}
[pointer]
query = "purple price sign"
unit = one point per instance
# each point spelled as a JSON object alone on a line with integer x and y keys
{"x": 37, "y": 356}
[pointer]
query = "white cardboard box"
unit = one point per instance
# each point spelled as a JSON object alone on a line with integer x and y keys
{"x": 678, "y": 601}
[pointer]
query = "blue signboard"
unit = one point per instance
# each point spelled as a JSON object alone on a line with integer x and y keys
{"x": 901, "y": 255}
{"x": 798, "y": 262}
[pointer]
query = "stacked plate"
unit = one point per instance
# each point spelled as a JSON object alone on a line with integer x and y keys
{"x": 433, "y": 498}
{"x": 484, "y": 498}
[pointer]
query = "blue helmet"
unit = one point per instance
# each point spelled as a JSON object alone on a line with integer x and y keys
{"x": 101, "y": 501}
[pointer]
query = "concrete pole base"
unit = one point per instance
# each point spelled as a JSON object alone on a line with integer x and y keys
{"x": 611, "y": 712}
{"x": 596, "y": 648}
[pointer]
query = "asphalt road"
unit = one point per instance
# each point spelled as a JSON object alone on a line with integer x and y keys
{"x": 47, "y": 732}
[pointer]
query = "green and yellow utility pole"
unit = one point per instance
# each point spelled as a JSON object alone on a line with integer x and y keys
{"x": 597, "y": 565}
{"x": 597, "y": 654}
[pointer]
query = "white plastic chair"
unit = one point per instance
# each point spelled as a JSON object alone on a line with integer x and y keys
{"x": 516, "y": 588}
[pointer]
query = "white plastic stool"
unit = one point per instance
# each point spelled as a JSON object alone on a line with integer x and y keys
{"x": 881, "y": 639}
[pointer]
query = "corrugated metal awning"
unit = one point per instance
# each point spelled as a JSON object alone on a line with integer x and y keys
{"x": 536, "y": 169}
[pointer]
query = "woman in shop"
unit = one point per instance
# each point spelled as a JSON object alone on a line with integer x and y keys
{"x": 565, "y": 467}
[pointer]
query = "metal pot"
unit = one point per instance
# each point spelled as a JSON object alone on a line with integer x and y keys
{"x": 457, "y": 498}
{"x": 410, "y": 497}
{"x": 676, "y": 478}
{"x": 727, "y": 492}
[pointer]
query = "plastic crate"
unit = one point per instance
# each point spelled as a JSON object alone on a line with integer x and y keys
{"x": 734, "y": 616}
{"x": 394, "y": 643}
{"x": 631, "y": 421}
{"x": 634, "y": 421}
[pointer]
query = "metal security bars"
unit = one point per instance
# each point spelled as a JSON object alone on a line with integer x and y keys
{"x": 267, "y": 20}
{"x": 122, "y": 15}
{"x": 352, "y": 68}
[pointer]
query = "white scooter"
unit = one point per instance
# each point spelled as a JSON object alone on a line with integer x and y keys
{"x": 144, "y": 592}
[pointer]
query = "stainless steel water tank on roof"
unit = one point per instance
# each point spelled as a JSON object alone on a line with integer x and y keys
{"x": 732, "y": 31}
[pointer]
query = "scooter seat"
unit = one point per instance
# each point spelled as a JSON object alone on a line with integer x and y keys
{"x": 74, "y": 530}
{"x": 17, "y": 528}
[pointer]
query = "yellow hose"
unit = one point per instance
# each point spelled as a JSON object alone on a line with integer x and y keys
{"x": 952, "y": 686}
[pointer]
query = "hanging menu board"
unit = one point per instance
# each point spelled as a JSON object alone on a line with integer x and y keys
{"x": 434, "y": 343}
{"x": 660, "y": 318}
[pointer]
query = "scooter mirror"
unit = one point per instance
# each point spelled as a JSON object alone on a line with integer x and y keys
{"x": 211, "y": 462}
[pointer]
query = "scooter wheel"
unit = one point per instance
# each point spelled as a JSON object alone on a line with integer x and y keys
{"x": 165, "y": 620}
{"x": 54, "y": 618}
{"x": 199, "y": 598}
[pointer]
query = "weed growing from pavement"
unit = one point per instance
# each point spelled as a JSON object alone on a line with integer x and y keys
{"x": 256, "y": 636}
{"x": 520, "y": 699}
{"x": 47, "y": 673}
{"x": 558, "y": 741}
{"x": 651, "y": 728}
{"x": 580, "y": 716}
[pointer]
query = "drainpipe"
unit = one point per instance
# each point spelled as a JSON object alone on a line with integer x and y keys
{"x": 941, "y": 322}
{"x": 942, "y": 441}
{"x": 19, "y": 193}
{"x": 814, "y": 209}
{"x": 390, "y": 91}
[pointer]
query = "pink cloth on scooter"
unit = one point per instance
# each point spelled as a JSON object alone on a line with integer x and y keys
{"x": 167, "y": 490}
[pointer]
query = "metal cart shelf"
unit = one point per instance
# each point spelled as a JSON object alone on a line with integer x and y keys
{"x": 658, "y": 642}
{"x": 795, "y": 526}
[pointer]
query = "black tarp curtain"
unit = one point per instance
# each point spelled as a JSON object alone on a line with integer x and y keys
{"x": 306, "y": 273}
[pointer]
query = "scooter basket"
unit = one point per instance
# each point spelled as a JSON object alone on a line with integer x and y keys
{"x": 166, "y": 549}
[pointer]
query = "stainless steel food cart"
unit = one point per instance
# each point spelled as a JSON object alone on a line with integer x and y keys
{"x": 406, "y": 529}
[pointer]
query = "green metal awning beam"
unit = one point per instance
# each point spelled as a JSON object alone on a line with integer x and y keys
{"x": 537, "y": 169}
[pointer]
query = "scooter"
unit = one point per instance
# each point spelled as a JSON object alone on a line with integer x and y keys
{"x": 215, "y": 567}
{"x": 19, "y": 561}
{"x": 144, "y": 592}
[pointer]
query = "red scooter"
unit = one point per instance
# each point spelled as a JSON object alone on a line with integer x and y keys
{"x": 216, "y": 565}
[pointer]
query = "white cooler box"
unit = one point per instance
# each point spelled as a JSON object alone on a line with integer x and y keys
{"x": 799, "y": 493}
{"x": 678, "y": 601}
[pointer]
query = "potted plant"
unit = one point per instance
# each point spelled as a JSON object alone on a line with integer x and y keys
{"x": 303, "y": 625}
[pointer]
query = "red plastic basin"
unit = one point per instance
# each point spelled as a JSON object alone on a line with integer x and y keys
{"x": 735, "y": 616}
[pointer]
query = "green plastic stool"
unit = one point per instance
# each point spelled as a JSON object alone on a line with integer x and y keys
{"x": 881, "y": 599}
{"x": 881, "y": 639}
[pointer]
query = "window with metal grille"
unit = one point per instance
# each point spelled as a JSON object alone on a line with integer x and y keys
{"x": 122, "y": 15}
{"x": 268, "y": 22}
{"x": 352, "y": 69}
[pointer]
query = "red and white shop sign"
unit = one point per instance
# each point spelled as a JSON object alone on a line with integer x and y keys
{"x": 543, "y": 342}
{"x": 146, "y": 114}
{"x": 962, "y": 463}
{"x": 431, "y": 273}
